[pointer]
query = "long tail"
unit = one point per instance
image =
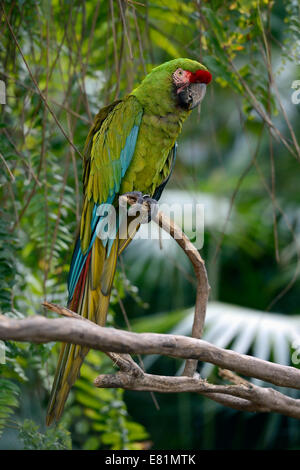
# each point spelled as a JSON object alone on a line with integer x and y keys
{"x": 91, "y": 300}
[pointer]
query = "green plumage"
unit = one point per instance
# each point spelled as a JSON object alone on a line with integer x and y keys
{"x": 129, "y": 148}
{"x": 160, "y": 126}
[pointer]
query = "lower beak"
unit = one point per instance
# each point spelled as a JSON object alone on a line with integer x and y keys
{"x": 192, "y": 95}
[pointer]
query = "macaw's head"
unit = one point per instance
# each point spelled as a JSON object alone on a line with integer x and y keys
{"x": 179, "y": 82}
{"x": 190, "y": 83}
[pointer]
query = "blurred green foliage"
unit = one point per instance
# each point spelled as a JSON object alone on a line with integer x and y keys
{"x": 54, "y": 439}
{"x": 242, "y": 149}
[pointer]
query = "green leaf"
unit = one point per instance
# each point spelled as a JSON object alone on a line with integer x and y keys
{"x": 9, "y": 399}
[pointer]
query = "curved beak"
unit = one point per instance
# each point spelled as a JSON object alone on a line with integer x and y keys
{"x": 192, "y": 95}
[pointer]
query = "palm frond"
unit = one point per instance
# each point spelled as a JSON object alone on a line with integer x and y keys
{"x": 268, "y": 336}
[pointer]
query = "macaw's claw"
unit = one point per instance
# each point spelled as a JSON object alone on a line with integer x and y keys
{"x": 153, "y": 206}
{"x": 134, "y": 196}
{"x": 143, "y": 203}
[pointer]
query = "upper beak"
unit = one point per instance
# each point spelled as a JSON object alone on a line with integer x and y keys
{"x": 192, "y": 95}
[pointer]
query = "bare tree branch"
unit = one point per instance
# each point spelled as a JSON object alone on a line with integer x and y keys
{"x": 266, "y": 399}
{"x": 241, "y": 395}
{"x": 198, "y": 263}
{"x": 203, "y": 287}
{"x": 38, "y": 329}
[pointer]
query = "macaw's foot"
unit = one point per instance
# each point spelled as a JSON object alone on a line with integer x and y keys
{"x": 134, "y": 197}
{"x": 152, "y": 206}
{"x": 142, "y": 204}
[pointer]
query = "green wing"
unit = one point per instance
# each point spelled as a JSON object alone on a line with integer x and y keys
{"x": 109, "y": 149}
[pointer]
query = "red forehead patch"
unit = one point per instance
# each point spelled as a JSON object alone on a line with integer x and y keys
{"x": 200, "y": 76}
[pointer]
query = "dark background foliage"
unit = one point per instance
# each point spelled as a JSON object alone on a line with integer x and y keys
{"x": 239, "y": 156}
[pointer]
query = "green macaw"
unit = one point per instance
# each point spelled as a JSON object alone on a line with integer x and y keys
{"x": 130, "y": 149}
